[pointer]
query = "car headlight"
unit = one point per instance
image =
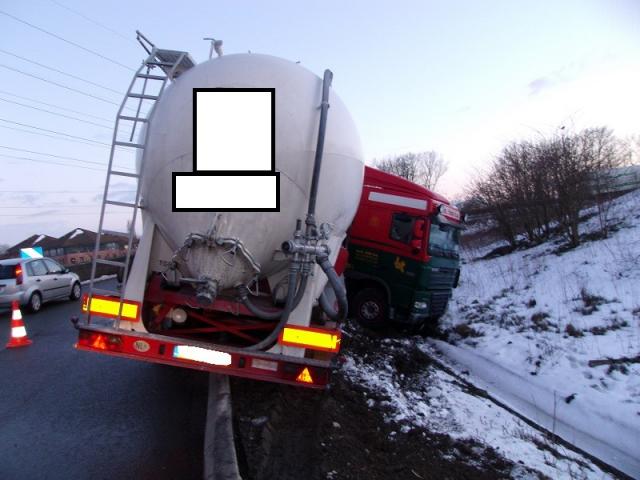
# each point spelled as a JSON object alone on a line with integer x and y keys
{"x": 420, "y": 306}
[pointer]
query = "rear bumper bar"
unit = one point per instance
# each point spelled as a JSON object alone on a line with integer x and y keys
{"x": 162, "y": 349}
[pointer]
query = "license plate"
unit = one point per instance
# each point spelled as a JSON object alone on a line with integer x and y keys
{"x": 204, "y": 355}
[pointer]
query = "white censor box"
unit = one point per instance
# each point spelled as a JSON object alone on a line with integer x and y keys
{"x": 233, "y": 153}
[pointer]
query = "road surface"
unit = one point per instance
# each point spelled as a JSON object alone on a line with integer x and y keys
{"x": 70, "y": 414}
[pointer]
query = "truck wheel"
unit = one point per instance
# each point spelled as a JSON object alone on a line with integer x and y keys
{"x": 369, "y": 307}
{"x": 35, "y": 302}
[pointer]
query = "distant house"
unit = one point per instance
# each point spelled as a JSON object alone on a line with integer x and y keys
{"x": 49, "y": 245}
{"x": 73, "y": 248}
{"x": 79, "y": 244}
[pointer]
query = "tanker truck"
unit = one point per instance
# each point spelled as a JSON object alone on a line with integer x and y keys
{"x": 252, "y": 294}
{"x": 259, "y": 295}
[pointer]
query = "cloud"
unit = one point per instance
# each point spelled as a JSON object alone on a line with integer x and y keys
{"x": 119, "y": 191}
{"x": 539, "y": 84}
{"x": 567, "y": 73}
{"x": 43, "y": 213}
{"x": 26, "y": 199}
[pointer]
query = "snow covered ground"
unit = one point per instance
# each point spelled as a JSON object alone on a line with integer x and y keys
{"x": 540, "y": 315}
{"x": 415, "y": 393}
{"x": 524, "y": 327}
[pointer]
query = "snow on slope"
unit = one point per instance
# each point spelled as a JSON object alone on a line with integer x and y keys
{"x": 414, "y": 393}
{"x": 542, "y": 314}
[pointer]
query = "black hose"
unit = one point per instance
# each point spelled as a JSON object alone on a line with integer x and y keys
{"x": 257, "y": 311}
{"x": 315, "y": 179}
{"x": 327, "y": 308}
{"x": 266, "y": 315}
{"x": 284, "y": 318}
{"x": 338, "y": 288}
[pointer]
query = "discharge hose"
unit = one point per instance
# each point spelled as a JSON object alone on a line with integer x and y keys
{"x": 271, "y": 315}
{"x": 284, "y": 315}
{"x": 338, "y": 288}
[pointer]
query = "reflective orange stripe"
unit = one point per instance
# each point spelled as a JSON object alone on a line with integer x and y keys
{"x": 109, "y": 307}
{"x": 308, "y": 337}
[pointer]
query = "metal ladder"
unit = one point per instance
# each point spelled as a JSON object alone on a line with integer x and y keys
{"x": 171, "y": 64}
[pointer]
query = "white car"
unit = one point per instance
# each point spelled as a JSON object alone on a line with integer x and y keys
{"x": 35, "y": 281}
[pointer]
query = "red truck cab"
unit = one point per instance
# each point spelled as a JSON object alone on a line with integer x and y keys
{"x": 403, "y": 252}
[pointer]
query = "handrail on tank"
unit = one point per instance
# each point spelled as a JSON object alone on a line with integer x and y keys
{"x": 141, "y": 39}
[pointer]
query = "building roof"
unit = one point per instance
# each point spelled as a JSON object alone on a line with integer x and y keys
{"x": 82, "y": 236}
{"x": 76, "y": 237}
{"x": 44, "y": 241}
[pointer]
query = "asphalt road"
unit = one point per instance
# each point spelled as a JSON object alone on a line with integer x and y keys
{"x": 74, "y": 415}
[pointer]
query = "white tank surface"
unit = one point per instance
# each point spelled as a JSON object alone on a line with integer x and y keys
{"x": 298, "y": 98}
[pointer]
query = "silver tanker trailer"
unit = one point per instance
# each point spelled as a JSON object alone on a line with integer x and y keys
{"x": 254, "y": 294}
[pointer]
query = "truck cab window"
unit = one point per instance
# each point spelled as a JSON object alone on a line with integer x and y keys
{"x": 402, "y": 227}
{"x": 444, "y": 240}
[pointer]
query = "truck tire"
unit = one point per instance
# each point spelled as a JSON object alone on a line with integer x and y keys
{"x": 369, "y": 307}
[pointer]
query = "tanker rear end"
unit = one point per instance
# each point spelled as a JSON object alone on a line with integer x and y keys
{"x": 252, "y": 294}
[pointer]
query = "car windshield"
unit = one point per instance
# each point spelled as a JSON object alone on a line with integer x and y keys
{"x": 444, "y": 240}
{"x": 7, "y": 272}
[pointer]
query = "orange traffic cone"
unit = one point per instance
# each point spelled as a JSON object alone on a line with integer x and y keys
{"x": 18, "y": 332}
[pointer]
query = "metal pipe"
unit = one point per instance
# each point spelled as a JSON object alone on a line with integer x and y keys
{"x": 315, "y": 179}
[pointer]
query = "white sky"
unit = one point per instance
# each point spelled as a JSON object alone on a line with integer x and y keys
{"x": 460, "y": 77}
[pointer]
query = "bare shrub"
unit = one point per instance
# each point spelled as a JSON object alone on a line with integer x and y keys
{"x": 573, "y": 331}
{"x": 423, "y": 168}
{"x": 533, "y": 185}
{"x": 539, "y": 321}
{"x": 464, "y": 330}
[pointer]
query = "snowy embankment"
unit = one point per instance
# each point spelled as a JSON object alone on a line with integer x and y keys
{"x": 416, "y": 394}
{"x": 527, "y": 325}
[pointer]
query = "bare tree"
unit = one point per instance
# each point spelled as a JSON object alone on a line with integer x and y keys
{"x": 423, "y": 168}
{"x": 608, "y": 154}
{"x": 532, "y": 184}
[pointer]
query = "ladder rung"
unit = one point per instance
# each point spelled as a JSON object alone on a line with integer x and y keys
{"x": 129, "y": 144}
{"x": 114, "y": 233}
{"x": 101, "y": 291}
{"x": 110, "y": 262}
{"x": 133, "y": 119}
{"x": 120, "y": 204}
{"x": 124, "y": 174}
{"x": 151, "y": 77}
{"x": 144, "y": 96}
{"x": 161, "y": 64}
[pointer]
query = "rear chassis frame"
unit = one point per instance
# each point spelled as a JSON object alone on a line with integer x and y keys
{"x": 155, "y": 348}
